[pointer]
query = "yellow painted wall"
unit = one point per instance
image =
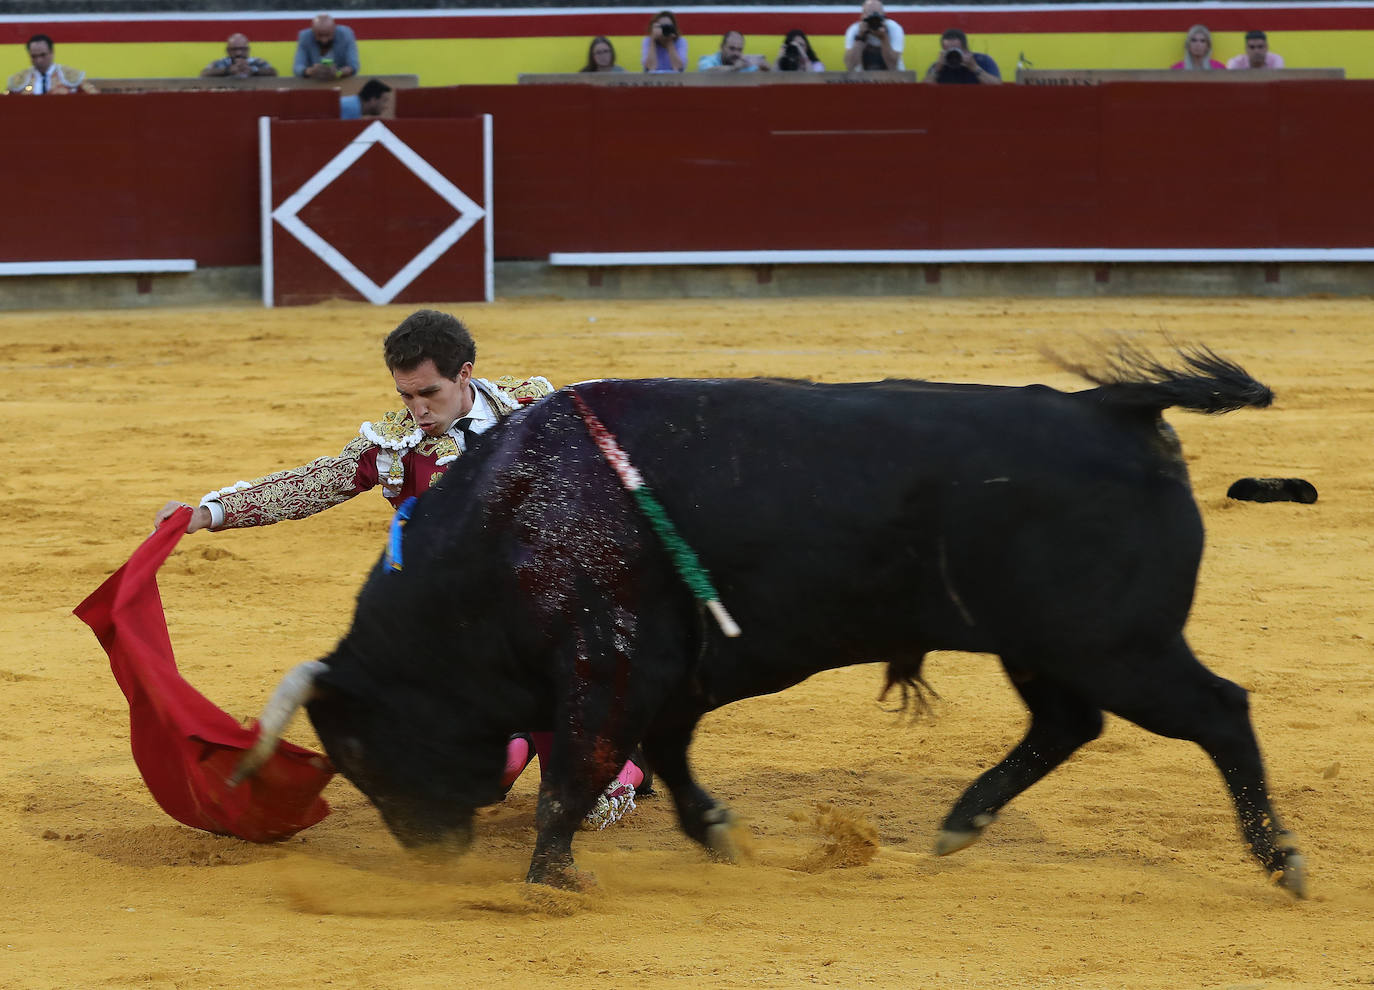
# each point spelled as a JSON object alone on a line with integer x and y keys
{"x": 500, "y": 60}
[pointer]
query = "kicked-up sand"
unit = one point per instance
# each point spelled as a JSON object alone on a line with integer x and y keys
{"x": 1122, "y": 869}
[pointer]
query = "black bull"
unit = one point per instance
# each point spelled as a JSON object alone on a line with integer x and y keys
{"x": 841, "y": 524}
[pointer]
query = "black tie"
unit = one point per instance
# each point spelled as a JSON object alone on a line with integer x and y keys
{"x": 42, "y": 83}
{"x": 469, "y": 434}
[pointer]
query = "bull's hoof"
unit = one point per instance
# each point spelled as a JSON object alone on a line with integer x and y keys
{"x": 951, "y": 841}
{"x": 720, "y": 839}
{"x": 554, "y": 871}
{"x": 1293, "y": 876}
{"x": 561, "y": 878}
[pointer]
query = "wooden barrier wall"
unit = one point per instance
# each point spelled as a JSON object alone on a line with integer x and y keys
{"x": 587, "y": 168}
{"x": 152, "y": 175}
{"x": 584, "y": 168}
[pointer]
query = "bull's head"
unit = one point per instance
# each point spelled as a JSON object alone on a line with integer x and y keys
{"x": 425, "y": 779}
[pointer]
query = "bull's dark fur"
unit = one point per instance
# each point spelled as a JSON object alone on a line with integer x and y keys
{"x": 841, "y": 524}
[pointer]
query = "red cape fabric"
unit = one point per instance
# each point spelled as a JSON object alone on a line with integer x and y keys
{"x": 184, "y": 746}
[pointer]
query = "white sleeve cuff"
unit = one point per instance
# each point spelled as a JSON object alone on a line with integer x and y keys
{"x": 216, "y": 511}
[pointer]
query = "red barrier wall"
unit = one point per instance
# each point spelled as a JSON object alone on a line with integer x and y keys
{"x": 922, "y": 167}
{"x": 589, "y": 168}
{"x": 154, "y": 175}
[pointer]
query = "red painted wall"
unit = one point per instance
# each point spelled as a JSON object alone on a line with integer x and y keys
{"x": 588, "y": 168}
{"x": 154, "y": 175}
{"x": 923, "y": 167}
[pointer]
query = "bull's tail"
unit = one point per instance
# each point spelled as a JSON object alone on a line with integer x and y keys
{"x": 905, "y": 675}
{"x": 1203, "y": 381}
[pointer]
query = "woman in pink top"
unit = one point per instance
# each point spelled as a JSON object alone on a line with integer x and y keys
{"x": 1197, "y": 50}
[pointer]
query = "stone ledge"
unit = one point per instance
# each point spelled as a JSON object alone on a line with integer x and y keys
{"x": 538, "y": 279}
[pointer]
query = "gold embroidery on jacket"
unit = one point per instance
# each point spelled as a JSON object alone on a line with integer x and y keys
{"x": 296, "y": 492}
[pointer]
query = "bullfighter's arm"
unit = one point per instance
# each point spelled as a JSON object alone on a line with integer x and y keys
{"x": 296, "y": 492}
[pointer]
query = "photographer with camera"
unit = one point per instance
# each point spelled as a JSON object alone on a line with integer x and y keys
{"x": 957, "y": 64}
{"x": 797, "y": 55}
{"x": 873, "y": 43}
{"x": 237, "y": 61}
{"x": 663, "y": 49}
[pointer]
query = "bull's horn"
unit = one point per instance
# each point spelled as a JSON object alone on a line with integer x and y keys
{"x": 295, "y": 689}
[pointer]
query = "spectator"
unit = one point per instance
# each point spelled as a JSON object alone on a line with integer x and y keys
{"x": 1197, "y": 50}
{"x": 1257, "y": 54}
{"x": 45, "y": 76}
{"x": 326, "y": 51}
{"x": 797, "y": 55}
{"x": 731, "y": 57}
{"x": 601, "y": 56}
{"x": 237, "y": 62}
{"x": 957, "y": 64}
{"x": 663, "y": 50}
{"x": 370, "y": 101}
{"x": 873, "y": 42}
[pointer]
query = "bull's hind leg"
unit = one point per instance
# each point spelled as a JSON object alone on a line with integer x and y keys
{"x": 1061, "y": 721}
{"x": 1172, "y": 694}
{"x": 709, "y": 823}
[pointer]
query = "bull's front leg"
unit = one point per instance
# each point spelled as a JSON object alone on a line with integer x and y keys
{"x": 552, "y": 862}
{"x": 578, "y": 771}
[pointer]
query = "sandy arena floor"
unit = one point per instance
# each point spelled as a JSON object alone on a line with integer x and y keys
{"x": 1123, "y": 869}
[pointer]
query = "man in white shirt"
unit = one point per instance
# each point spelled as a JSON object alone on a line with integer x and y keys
{"x": 873, "y": 43}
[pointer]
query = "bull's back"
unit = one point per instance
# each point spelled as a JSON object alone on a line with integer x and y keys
{"x": 852, "y": 519}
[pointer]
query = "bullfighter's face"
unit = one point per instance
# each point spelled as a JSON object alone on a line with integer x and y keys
{"x": 435, "y": 402}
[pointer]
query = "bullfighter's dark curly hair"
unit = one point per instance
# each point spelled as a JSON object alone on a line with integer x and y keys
{"x": 428, "y": 335}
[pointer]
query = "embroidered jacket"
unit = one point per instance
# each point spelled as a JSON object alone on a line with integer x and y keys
{"x": 393, "y": 453}
{"x": 64, "y": 78}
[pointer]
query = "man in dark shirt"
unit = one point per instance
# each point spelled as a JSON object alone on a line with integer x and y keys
{"x": 238, "y": 61}
{"x": 957, "y": 64}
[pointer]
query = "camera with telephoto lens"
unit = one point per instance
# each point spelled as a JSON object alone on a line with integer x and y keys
{"x": 874, "y": 22}
{"x": 790, "y": 59}
{"x": 667, "y": 30}
{"x": 954, "y": 58}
